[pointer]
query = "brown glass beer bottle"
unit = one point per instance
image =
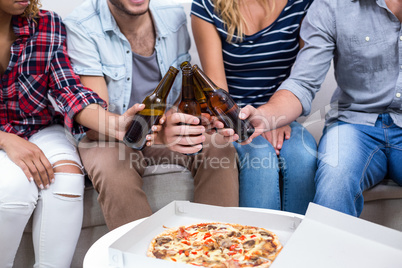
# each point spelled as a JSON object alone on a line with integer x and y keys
{"x": 188, "y": 103}
{"x": 201, "y": 99}
{"x": 222, "y": 105}
{"x": 155, "y": 105}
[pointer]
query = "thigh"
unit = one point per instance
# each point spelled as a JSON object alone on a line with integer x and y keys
{"x": 352, "y": 155}
{"x": 161, "y": 155}
{"x": 301, "y": 148}
{"x": 395, "y": 154}
{"x": 259, "y": 147}
{"x": 56, "y": 144}
{"x": 14, "y": 185}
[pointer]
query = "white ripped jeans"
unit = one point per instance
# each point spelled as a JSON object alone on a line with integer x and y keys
{"x": 57, "y": 219}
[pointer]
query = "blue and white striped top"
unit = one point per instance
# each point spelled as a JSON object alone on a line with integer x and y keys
{"x": 261, "y": 62}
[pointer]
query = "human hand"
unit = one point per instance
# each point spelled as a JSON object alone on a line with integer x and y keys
{"x": 182, "y": 133}
{"x": 277, "y": 136}
{"x": 124, "y": 120}
{"x": 30, "y": 158}
{"x": 257, "y": 120}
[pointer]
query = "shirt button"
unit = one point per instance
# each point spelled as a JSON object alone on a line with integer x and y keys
{"x": 367, "y": 38}
{"x": 128, "y": 78}
{"x": 400, "y": 38}
{"x": 128, "y": 51}
{"x": 398, "y": 95}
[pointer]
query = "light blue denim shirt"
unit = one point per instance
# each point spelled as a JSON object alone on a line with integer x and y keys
{"x": 98, "y": 48}
{"x": 364, "y": 39}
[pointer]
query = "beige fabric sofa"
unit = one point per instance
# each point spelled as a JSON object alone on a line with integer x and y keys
{"x": 163, "y": 184}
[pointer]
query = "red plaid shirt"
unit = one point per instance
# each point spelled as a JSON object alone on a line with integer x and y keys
{"x": 39, "y": 67}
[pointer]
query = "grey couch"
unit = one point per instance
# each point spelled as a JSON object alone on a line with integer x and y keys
{"x": 163, "y": 184}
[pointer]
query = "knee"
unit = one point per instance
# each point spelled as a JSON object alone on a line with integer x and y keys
{"x": 69, "y": 176}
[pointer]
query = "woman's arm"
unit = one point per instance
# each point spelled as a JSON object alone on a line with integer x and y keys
{"x": 209, "y": 47}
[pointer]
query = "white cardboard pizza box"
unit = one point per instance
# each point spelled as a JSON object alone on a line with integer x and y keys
{"x": 328, "y": 238}
{"x": 324, "y": 238}
{"x": 130, "y": 249}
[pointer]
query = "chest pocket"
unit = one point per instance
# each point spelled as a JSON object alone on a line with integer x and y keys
{"x": 32, "y": 92}
{"x": 370, "y": 51}
{"x": 115, "y": 80}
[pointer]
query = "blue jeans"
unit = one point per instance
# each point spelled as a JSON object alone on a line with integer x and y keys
{"x": 259, "y": 168}
{"x": 353, "y": 158}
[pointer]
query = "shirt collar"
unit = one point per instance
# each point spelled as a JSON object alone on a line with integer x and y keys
{"x": 161, "y": 29}
{"x": 110, "y": 24}
{"x": 107, "y": 20}
{"x": 21, "y": 26}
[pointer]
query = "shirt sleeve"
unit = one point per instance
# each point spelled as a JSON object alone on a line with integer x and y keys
{"x": 314, "y": 59}
{"x": 66, "y": 89}
{"x": 203, "y": 9}
{"x": 82, "y": 50}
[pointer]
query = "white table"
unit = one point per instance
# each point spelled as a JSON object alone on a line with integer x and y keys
{"x": 98, "y": 254}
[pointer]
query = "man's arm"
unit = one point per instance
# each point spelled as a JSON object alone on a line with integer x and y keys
{"x": 282, "y": 109}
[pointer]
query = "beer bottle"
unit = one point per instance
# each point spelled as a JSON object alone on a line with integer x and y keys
{"x": 223, "y": 106}
{"x": 188, "y": 103}
{"x": 155, "y": 105}
{"x": 201, "y": 99}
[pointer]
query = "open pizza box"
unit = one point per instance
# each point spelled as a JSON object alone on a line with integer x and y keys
{"x": 322, "y": 238}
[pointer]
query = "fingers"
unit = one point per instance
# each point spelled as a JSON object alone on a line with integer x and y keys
{"x": 246, "y": 112}
{"x": 180, "y": 118}
{"x": 185, "y": 140}
{"x": 283, "y": 134}
{"x": 126, "y": 118}
{"x": 135, "y": 109}
{"x": 154, "y": 135}
{"x": 40, "y": 171}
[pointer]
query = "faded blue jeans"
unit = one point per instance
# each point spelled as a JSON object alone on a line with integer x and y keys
{"x": 259, "y": 166}
{"x": 352, "y": 158}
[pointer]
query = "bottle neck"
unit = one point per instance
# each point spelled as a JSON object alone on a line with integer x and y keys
{"x": 203, "y": 81}
{"x": 187, "y": 84}
{"x": 164, "y": 86}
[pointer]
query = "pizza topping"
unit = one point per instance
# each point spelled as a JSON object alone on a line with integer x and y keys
{"x": 163, "y": 240}
{"x": 217, "y": 245}
{"x": 249, "y": 243}
{"x": 159, "y": 254}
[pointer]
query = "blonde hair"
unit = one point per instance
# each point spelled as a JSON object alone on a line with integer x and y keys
{"x": 229, "y": 12}
{"x": 32, "y": 10}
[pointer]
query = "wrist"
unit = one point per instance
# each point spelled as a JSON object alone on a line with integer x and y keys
{"x": 3, "y": 137}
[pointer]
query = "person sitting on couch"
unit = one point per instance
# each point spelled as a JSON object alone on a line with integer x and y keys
{"x": 249, "y": 49}
{"x": 121, "y": 49}
{"x": 41, "y": 172}
{"x": 362, "y": 139}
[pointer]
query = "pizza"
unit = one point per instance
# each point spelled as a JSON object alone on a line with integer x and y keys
{"x": 217, "y": 245}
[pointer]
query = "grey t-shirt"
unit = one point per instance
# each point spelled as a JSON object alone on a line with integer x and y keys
{"x": 146, "y": 76}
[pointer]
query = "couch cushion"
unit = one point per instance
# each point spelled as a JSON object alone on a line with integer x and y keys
{"x": 387, "y": 189}
{"x": 166, "y": 183}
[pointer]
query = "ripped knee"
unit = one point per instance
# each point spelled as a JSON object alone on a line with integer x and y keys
{"x": 68, "y": 166}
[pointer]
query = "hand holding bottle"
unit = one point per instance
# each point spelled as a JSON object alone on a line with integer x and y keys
{"x": 256, "y": 118}
{"x": 182, "y": 133}
{"x": 155, "y": 105}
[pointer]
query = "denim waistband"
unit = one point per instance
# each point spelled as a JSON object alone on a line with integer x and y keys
{"x": 384, "y": 120}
